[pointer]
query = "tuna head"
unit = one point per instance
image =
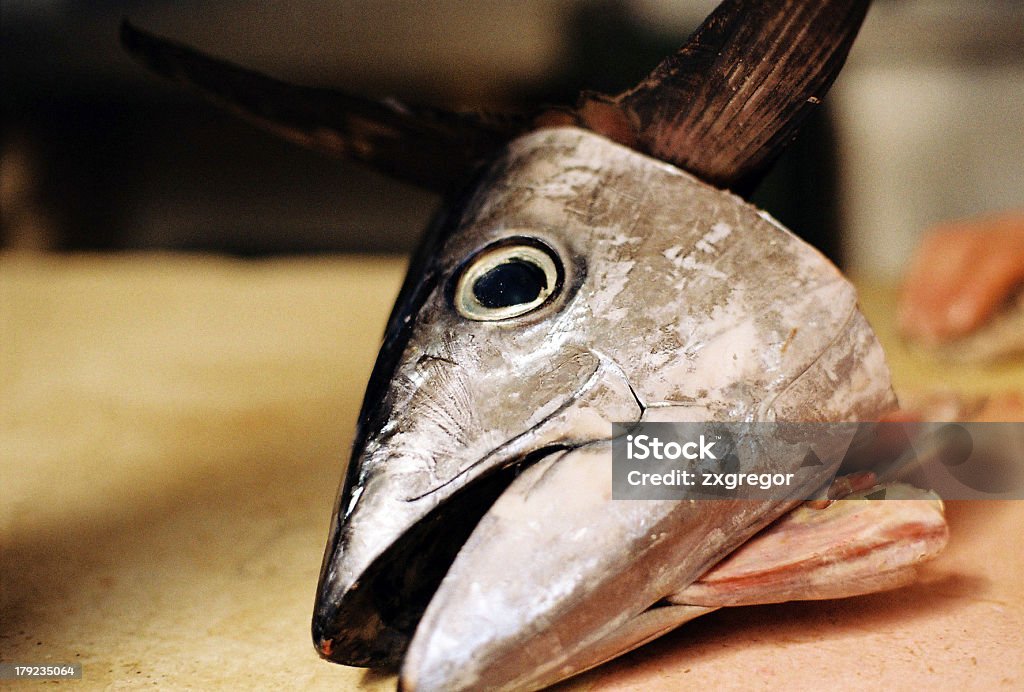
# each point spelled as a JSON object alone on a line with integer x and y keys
{"x": 580, "y": 283}
{"x": 585, "y": 277}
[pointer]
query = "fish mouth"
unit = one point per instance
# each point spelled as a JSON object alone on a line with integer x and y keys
{"x": 373, "y": 623}
{"x": 395, "y": 537}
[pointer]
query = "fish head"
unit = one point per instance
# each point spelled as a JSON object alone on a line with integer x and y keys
{"x": 585, "y": 277}
{"x": 579, "y": 284}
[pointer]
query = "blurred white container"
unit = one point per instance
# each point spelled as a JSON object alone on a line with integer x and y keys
{"x": 930, "y": 119}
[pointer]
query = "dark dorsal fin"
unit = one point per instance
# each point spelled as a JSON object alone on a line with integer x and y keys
{"x": 424, "y": 146}
{"x": 722, "y": 107}
{"x": 731, "y": 99}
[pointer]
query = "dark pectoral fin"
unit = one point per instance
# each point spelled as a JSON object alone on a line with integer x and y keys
{"x": 427, "y": 147}
{"x": 730, "y": 100}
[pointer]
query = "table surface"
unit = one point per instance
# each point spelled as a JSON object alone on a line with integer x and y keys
{"x": 172, "y": 434}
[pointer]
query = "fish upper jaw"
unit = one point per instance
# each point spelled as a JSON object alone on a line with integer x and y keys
{"x": 404, "y": 522}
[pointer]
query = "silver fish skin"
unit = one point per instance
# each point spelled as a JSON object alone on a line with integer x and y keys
{"x": 677, "y": 302}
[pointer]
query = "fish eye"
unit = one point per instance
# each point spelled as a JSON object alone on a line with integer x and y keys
{"x": 507, "y": 280}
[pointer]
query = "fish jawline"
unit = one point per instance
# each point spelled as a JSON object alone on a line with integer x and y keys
{"x": 391, "y": 596}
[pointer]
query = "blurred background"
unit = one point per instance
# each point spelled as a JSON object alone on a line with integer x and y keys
{"x": 926, "y": 122}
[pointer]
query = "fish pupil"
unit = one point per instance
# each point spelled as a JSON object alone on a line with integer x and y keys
{"x": 512, "y": 283}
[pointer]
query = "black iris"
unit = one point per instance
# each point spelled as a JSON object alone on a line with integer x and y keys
{"x": 512, "y": 283}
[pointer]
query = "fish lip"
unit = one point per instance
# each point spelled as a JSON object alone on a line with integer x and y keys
{"x": 389, "y": 637}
